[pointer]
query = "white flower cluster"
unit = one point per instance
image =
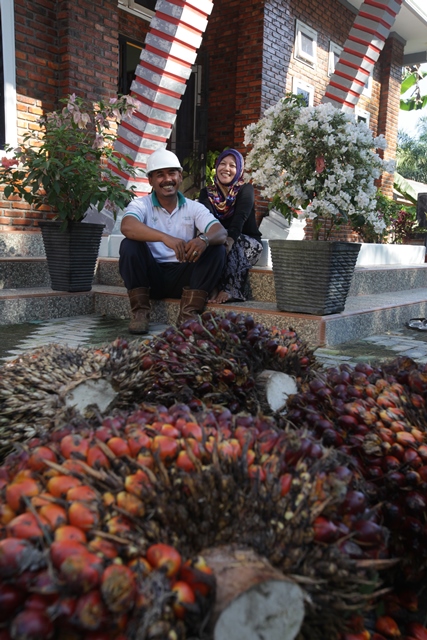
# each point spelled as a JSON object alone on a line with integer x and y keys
{"x": 318, "y": 159}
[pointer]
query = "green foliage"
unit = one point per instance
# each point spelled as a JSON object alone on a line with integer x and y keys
{"x": 411, "y": 80}
{"x": 66, "y": 167}
{"x": 412, "y": 153}
{"x": 194, "y": 168}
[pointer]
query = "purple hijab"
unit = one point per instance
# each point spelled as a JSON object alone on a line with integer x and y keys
{"x": 224, "y": 205}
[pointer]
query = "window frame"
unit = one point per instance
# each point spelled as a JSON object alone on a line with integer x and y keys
{"x": 362, "y": 114}
{"x": 131, "y": 7}
{"x": 299, "y": 83}
{"x": 9, "y": 73}
{"x": 302, "y": 28}
{"x": 334, "y": 49}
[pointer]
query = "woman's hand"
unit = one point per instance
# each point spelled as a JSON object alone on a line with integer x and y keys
{"x": 228, "y": 244}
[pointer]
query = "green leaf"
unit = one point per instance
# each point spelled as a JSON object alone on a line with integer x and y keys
{"x": 408, "y": 82}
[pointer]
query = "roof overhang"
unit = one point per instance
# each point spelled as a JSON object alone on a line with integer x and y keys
{"x": 410, "y": 25}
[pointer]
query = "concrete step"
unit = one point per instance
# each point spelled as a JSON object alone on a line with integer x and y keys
{"x": 363, "y": 315}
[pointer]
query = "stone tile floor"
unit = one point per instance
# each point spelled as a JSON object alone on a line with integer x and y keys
{"x": 95, "y": 330}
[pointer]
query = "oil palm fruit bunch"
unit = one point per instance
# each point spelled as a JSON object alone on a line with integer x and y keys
{"x": 216, "y": 359}
{"x": 102, "y": 525}
{"x": 378, "y": 417}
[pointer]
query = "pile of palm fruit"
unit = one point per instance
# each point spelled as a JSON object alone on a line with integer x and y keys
{"x": 104, "y": 519}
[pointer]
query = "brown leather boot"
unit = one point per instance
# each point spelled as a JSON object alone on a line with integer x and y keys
{"x": 140, "y": 307}
{"x": 192, "y": 302}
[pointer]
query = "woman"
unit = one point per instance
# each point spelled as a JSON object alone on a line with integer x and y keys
{"x": 232, "y": 201}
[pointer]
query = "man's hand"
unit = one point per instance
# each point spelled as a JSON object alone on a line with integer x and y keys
{"x": 178, "y": 245}
{"x": 194, "y": 249}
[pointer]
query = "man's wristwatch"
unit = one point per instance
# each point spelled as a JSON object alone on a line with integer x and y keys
{"x": 205, "y": 238}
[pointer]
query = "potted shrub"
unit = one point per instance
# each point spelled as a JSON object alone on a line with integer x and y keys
{"x": 67, "y": 167}
{"x": 316, "y": 163}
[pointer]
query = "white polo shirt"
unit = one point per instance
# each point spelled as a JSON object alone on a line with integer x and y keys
{"x": 187, "y": 220}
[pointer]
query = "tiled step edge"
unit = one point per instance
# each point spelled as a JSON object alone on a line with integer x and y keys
{"x": 41, "y": 303}
{"x": 22, "y": 272}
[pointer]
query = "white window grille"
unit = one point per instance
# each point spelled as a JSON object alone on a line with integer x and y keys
{"x": 301, "y": 88}
{"x": 141, "y": 8}
{"x": 305, "y": 43}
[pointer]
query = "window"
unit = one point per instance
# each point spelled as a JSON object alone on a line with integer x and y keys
{"x": 362, "y": 116}
{"x": 367, "y": 89}
{"x": 142, "y": 8}
{"x": 130, "y": 52}
{"x": 305, "y": 43}
{"x": 301, "y": 88}
{"x": 334, "y": 55}
{"x": 8, "y": 131}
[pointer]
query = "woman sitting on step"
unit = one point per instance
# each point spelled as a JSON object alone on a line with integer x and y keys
{"x": 232, "y": 202}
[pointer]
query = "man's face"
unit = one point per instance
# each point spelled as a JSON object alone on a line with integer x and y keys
{"x": 165, "y": 182}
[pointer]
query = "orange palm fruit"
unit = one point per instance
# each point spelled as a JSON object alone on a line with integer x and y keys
{"x": 6, "y": 513}
{"x": 17, "y": 490}
{"x": 170, "y": 430}
{"x": 54, "y": 514}
{"x": 417, "y": 630}
{"x": 135, "y": 482}
{"x": 58, "y": 486}
{"x": 37, "y": 459}
{"x": 184, "y": 462}
{"x": 192, "y": 430}
{"x": 82, "y": 572}
{"x": 69, "y": 533}
{"x": 96, "y": 458}
{"x": 82, "y": 492}
{"x": 137, "y": 440}
{"x": 184, "y": 596}
{"x": 130, "y": 503}
{"x": 118, "y": 446}
{"x": 168, "y": 448}
{"x": 163, "y": 556}
{"x": 83, "y": 515}
{"x": 72, "y": 444}
{"x": 118, "y": 525}
{"x": 90, "y": 611}
{"x": 26, "y": 526}
{"x": 103, "y": 548}
{"x": 61, "y": 549}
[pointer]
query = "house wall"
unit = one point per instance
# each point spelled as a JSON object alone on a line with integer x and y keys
{"x": 72, "y": 46}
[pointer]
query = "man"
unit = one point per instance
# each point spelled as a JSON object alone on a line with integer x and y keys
{"x": 174, "y": 247}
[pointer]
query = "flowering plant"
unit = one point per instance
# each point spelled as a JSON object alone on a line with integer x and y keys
{"x": 67, "y": 165}
{"x": 318, "y": 160}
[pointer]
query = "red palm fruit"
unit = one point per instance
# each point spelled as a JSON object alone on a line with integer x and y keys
{"x": 250, "y": 457}
{"x": 408, "y": 599}
{"x": 404, "y": 438}
{"x": 54, "y": 514}
{"x": 103, "y": 433}
{"x": 74, "y": 444}
{"x": 82, "y": 572}
{"x": 118, "y": 446}
{"x": 412, "y": 458}
{"x": 362, "y": 635}
{"x": 136, "y": 482}
{"x": 61, "y": 549}
{"x": 74, "y": 466}
{"x": 59, "y": 485}
{"x": 6, "y": 513}
{"x": 16, "y": 556}
{"x": 63, "y": 608}
{"x": 256, "y": 472}
{"x": 245, "y": 435}
{"x": 118, "y": 525}
{"x": 137, "y": 440}
{"x": 26, "y": 526}
{"x": 325, "y": 530}
{"x": 130, "y": 503}
{"x": 163, "y": 556}
{"x": 167, "y": 448}
{"x": 140, "y": 566}
{"x": 82, "y": 492}
{"x": 266, "y": 441}
{"x": 198, "y": 575}
{"x": 44, "y": 583}
{"x": 17, "y": 490}
{"x": 84, "y": 515}
{"x": 418, "y": 435}
{"x": 10, "y": 599}
{"x": 37, "y": 459}
{"x": 354, "y": 502}
{"x": 184, "y": 462}
{"x": 118, "y": 588}
{"x": 31, "y": 624}
{"x": 40, "y": 601}
{"x": 417, "y": 630}
{"x": 96, "y": 458}
{"x": 192, "y": 430}
{"x": 367, "y": 532}
{"x": 90, "y": 612}
{"x": 169, "y": 430}
{"x": 184, "y": 596}
{"x": 146, "y": 459}
{"x": 70, "y": 534}
{"x": 387, "y": 626}
{"x": 103, "y": 548}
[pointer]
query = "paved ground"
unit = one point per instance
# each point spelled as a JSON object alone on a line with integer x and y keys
{"x": 95, "y": 330}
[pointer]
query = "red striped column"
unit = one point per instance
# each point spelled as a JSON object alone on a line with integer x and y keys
{"x": 361, "y": 51}
{"x": 170, "y": 50}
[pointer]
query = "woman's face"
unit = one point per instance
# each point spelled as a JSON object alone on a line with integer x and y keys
{"x": 226, "y": 170}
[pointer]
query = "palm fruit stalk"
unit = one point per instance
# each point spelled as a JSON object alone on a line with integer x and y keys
{"x": 378, "y": 417}
{"x": 82, "y": 507}
{"x": 216, "y": 359}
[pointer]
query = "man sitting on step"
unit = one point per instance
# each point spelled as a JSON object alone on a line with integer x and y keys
{"x": 174, "y": 247}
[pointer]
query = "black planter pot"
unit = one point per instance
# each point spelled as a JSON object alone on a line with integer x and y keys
{"x": 312, "y": 276}
{"x": 71, "y": 255}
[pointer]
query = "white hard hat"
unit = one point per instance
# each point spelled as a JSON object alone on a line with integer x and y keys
{"x": 162, "y": 159}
